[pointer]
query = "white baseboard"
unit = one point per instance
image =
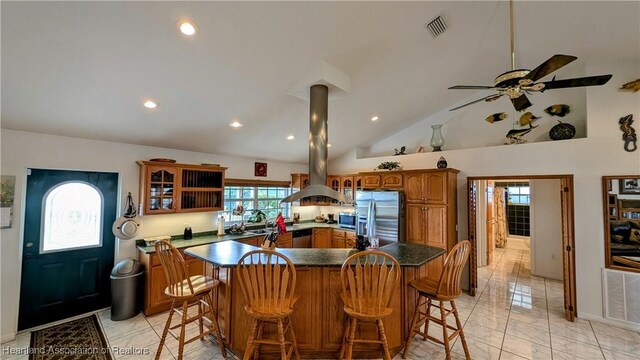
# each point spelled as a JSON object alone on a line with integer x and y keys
{"x": 612, "y": 322}
{"x": 7, "y": 337}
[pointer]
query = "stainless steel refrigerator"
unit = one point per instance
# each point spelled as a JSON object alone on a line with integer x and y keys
{"x": 381, "y": 215}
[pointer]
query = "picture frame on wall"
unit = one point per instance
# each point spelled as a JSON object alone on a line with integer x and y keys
{"x": 260, "y": 169}
{"x": 630, "y": 186}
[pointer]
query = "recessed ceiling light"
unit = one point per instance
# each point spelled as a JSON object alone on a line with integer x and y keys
{"x": 375, "y": 118}
{"x": 290, "y": 137}
{"x": 150, "y": 104}
{"x": 328, "y": 145}
{"x": 236, "y": 124}
{"x": 188, "y": 27}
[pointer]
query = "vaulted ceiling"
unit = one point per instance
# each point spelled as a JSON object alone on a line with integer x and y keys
{"x": 83, "y": 69}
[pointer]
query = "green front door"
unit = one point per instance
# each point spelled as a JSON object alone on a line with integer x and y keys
{"x": 68, "y": 246}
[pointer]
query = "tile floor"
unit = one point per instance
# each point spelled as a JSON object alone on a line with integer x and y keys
{"x": 514, "y": 316}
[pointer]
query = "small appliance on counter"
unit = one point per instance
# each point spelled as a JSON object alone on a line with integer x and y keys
{"x": 347, "y": 220}
{"x": 188, "y": 234}
{"x": 330, "y": 219}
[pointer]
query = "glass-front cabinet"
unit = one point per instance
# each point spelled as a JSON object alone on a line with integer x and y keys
{"x": 172, "y": 188}
{"x": 161, "y": 193}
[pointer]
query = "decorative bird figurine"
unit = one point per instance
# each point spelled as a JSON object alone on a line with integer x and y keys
{"x": 515, "y": 136}
{"x": 527, "y": 118}
{"x": 632, "y": 86}
{"x": 496, "y": 117}
{"x": 560, "y": 110}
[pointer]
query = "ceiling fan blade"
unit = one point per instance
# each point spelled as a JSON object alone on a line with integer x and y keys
{"x": 577, "y": 82}
{"x": 486, "y": 98}
{"x": 521, "y": 102}
{"x": 554, "y": 63}
{"x": 470, "y": 87}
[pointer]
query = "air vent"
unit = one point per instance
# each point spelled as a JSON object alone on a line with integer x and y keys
{"x": 436, "y": 26}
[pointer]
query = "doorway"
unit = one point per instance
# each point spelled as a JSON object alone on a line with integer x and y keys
{"x": 68, "y": 247}
{"x": 479, "y": 210}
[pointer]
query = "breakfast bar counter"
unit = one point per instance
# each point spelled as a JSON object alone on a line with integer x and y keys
{"x": 318, "y": 316}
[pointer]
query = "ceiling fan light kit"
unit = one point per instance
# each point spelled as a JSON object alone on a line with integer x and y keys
{"x": 516, "y": 83}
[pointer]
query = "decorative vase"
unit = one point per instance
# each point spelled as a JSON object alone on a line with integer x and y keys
{"x": 442, "y": 163}
{"x": 562, "y": 131}
{"x": 437, "y": 141}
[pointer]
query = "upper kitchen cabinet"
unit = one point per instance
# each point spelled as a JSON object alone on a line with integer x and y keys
{"x": 176, "y": 188}
{"x": 382, "y": 180}
{"x": 431, "y": 212}
{"x": 430, "y": 186}
{"x": 347, "y": 186}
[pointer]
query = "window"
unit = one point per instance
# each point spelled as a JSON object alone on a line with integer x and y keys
{"x": 266, "y": 199}
{"x": 519, "y": 195}
{"x": 71, "y": 217}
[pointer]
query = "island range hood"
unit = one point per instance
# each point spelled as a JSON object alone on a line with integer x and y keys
{"x": 318, "y": 150}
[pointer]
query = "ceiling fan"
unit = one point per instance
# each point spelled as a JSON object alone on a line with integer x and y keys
{"x": 516, "y": 82}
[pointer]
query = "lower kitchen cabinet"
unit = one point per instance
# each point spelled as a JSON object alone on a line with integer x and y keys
{"x": 155, "y": 301}
{"x": 321, "y": 238}
{"x": 343, "y": 239}
{"x": 285, "y": 240}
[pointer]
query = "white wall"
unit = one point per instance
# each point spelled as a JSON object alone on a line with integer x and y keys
{"x": 21, "y": 150}
{"x": 588, "y": 159}
{"x": 467, "y": 128}
{"x": 546, "y": 228}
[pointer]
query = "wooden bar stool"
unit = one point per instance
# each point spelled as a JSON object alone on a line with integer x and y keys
{"x": 447, "y": 288}
{"x": 268, "y": 282}
{"x": 369, "y": 279}
{"x": 186, "y": 291}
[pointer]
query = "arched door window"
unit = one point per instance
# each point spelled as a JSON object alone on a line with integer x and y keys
{"x": 71, "y": 217}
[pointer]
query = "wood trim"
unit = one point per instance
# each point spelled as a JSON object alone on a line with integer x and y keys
{"x": 568, "y": 245}
{"x": 472, "y": 198}
{"x": 568, "y": 233}
{"x": 187, "y": 166}
{"x": 521, "y": 177}
{"x": 258, "y": 183}
{"x": 608, "y": 261}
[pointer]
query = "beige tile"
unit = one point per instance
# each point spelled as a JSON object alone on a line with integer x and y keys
{"x": 618, "y": 344}
{"x": 495, "y": 323}
{"x": 578, "y": 349}
{"x": 614, "y": 355}
{"x": 526, "y": 349}
{"x": 600, "y": 328}
{"x": 505, "y": 355}
{"x": 114, "y": 330}
{"x": 541, "y": 323}
{"x": 147, "y": 353}
{"x": 573, "y": 332}
{"x": 478, "y": 350}
{"x": 159, "y": 318}
{"x": 534, "y": 334}
{"x": 141, "y": 339}
{"x": 484, "y": 334}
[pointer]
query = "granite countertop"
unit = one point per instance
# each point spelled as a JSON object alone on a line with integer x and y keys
{"x": 211, "y": 237}
{"x": 227, "y": 254}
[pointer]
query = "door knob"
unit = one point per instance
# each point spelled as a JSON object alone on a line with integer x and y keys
{"x": 29, "y": 244}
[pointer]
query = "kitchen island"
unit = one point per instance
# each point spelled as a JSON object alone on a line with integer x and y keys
{"x": 318, "y": 316}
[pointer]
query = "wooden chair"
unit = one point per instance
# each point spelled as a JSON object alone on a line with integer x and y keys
{"x": 186, "y": 291}
{"x": 447, "y": 288}
{"x": 369, "y": 280}
{"x": 268, "y": 282}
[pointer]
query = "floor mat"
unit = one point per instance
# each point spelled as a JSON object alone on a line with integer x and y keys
{"x": 80, "y": 339}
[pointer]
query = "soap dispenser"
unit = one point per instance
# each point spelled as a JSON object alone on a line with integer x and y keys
{"x": 188, "y": 234}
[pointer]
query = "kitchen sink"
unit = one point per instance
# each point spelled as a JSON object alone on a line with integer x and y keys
{"x": 260, "y": 231}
